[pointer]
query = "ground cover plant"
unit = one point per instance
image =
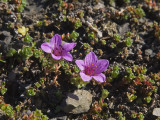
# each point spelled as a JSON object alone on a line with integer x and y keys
{"x": 80, "y": 59}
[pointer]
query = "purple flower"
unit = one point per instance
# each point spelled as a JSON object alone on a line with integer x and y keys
{"x": 57, "y": 50}
{"x": 91, "y": 67}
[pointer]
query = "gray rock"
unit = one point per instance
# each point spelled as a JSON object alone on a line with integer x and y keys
{"x": 148, "y": 52}
{"x": 123, "y": 29}
{"x": 111, "y": 119}
{"x": 131, "y": 62}
{"x": 99, "y": 33}
{"x": 90, "y": 19}
{"x": 59, "y": 118}
{"x": 99, "y": 6}
{"x": 6, "y": 37}
{"x": 156, "y": 112}
{"x": 110, "y": 28}
{"x": 140, "y": 41}
{"x": 90, "y": 10}
{"x": 77, "y": 102}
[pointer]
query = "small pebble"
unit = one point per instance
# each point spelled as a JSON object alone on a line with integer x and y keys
{"x": 148, "y": 52}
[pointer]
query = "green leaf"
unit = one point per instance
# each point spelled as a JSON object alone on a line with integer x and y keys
{"x": 36, "y": 53}
{"x": 148, "y": 99}
{"x": 128, "y": 42}
{"x": 11, "y": 52}
{"x": 78, "y": 23}
{"x": 28, "y": 38}
{"x": 31, "y": 92}
{"x": 91, "y": 36}
{"x": 3, "y": 90}
{"x": 2, "y": 61}
{"x": 105, "y": 93}
{"x": 26, "y": 52}
{"x": 37, "y": 84}
{"x": 38, "y": 112}
{"x": 74, "y": 35}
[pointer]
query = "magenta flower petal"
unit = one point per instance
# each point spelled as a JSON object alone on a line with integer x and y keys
{"x": 56, "y": 57}
{"x": 80, "y": 64}
{"x": 100, "y": 77}
{"x": 68, "y": 46}
{"x": 57, "y": 50}
{"x": 102, "y": 65}
{"x": 68, "y": 57}
{"x": 46, "y": 47}
{"x": 90, "y": 58}
{"x": 56, "y": 40}
{"x": 85, "y": 77}
{"x": 91, "y": 67}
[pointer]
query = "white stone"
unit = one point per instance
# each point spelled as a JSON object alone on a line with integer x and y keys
{"x": 156, "y": 112}
{"x": 77, "y": 102}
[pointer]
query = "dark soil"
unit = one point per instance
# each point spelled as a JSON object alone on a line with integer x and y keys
{"x": 136, "y": 21}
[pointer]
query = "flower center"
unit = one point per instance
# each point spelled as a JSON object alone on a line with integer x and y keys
{"x": 57, "y": 50}
{"x": 90, "y": 70}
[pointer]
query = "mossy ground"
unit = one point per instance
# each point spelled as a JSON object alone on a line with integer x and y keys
{"x": 125, "y": 32}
